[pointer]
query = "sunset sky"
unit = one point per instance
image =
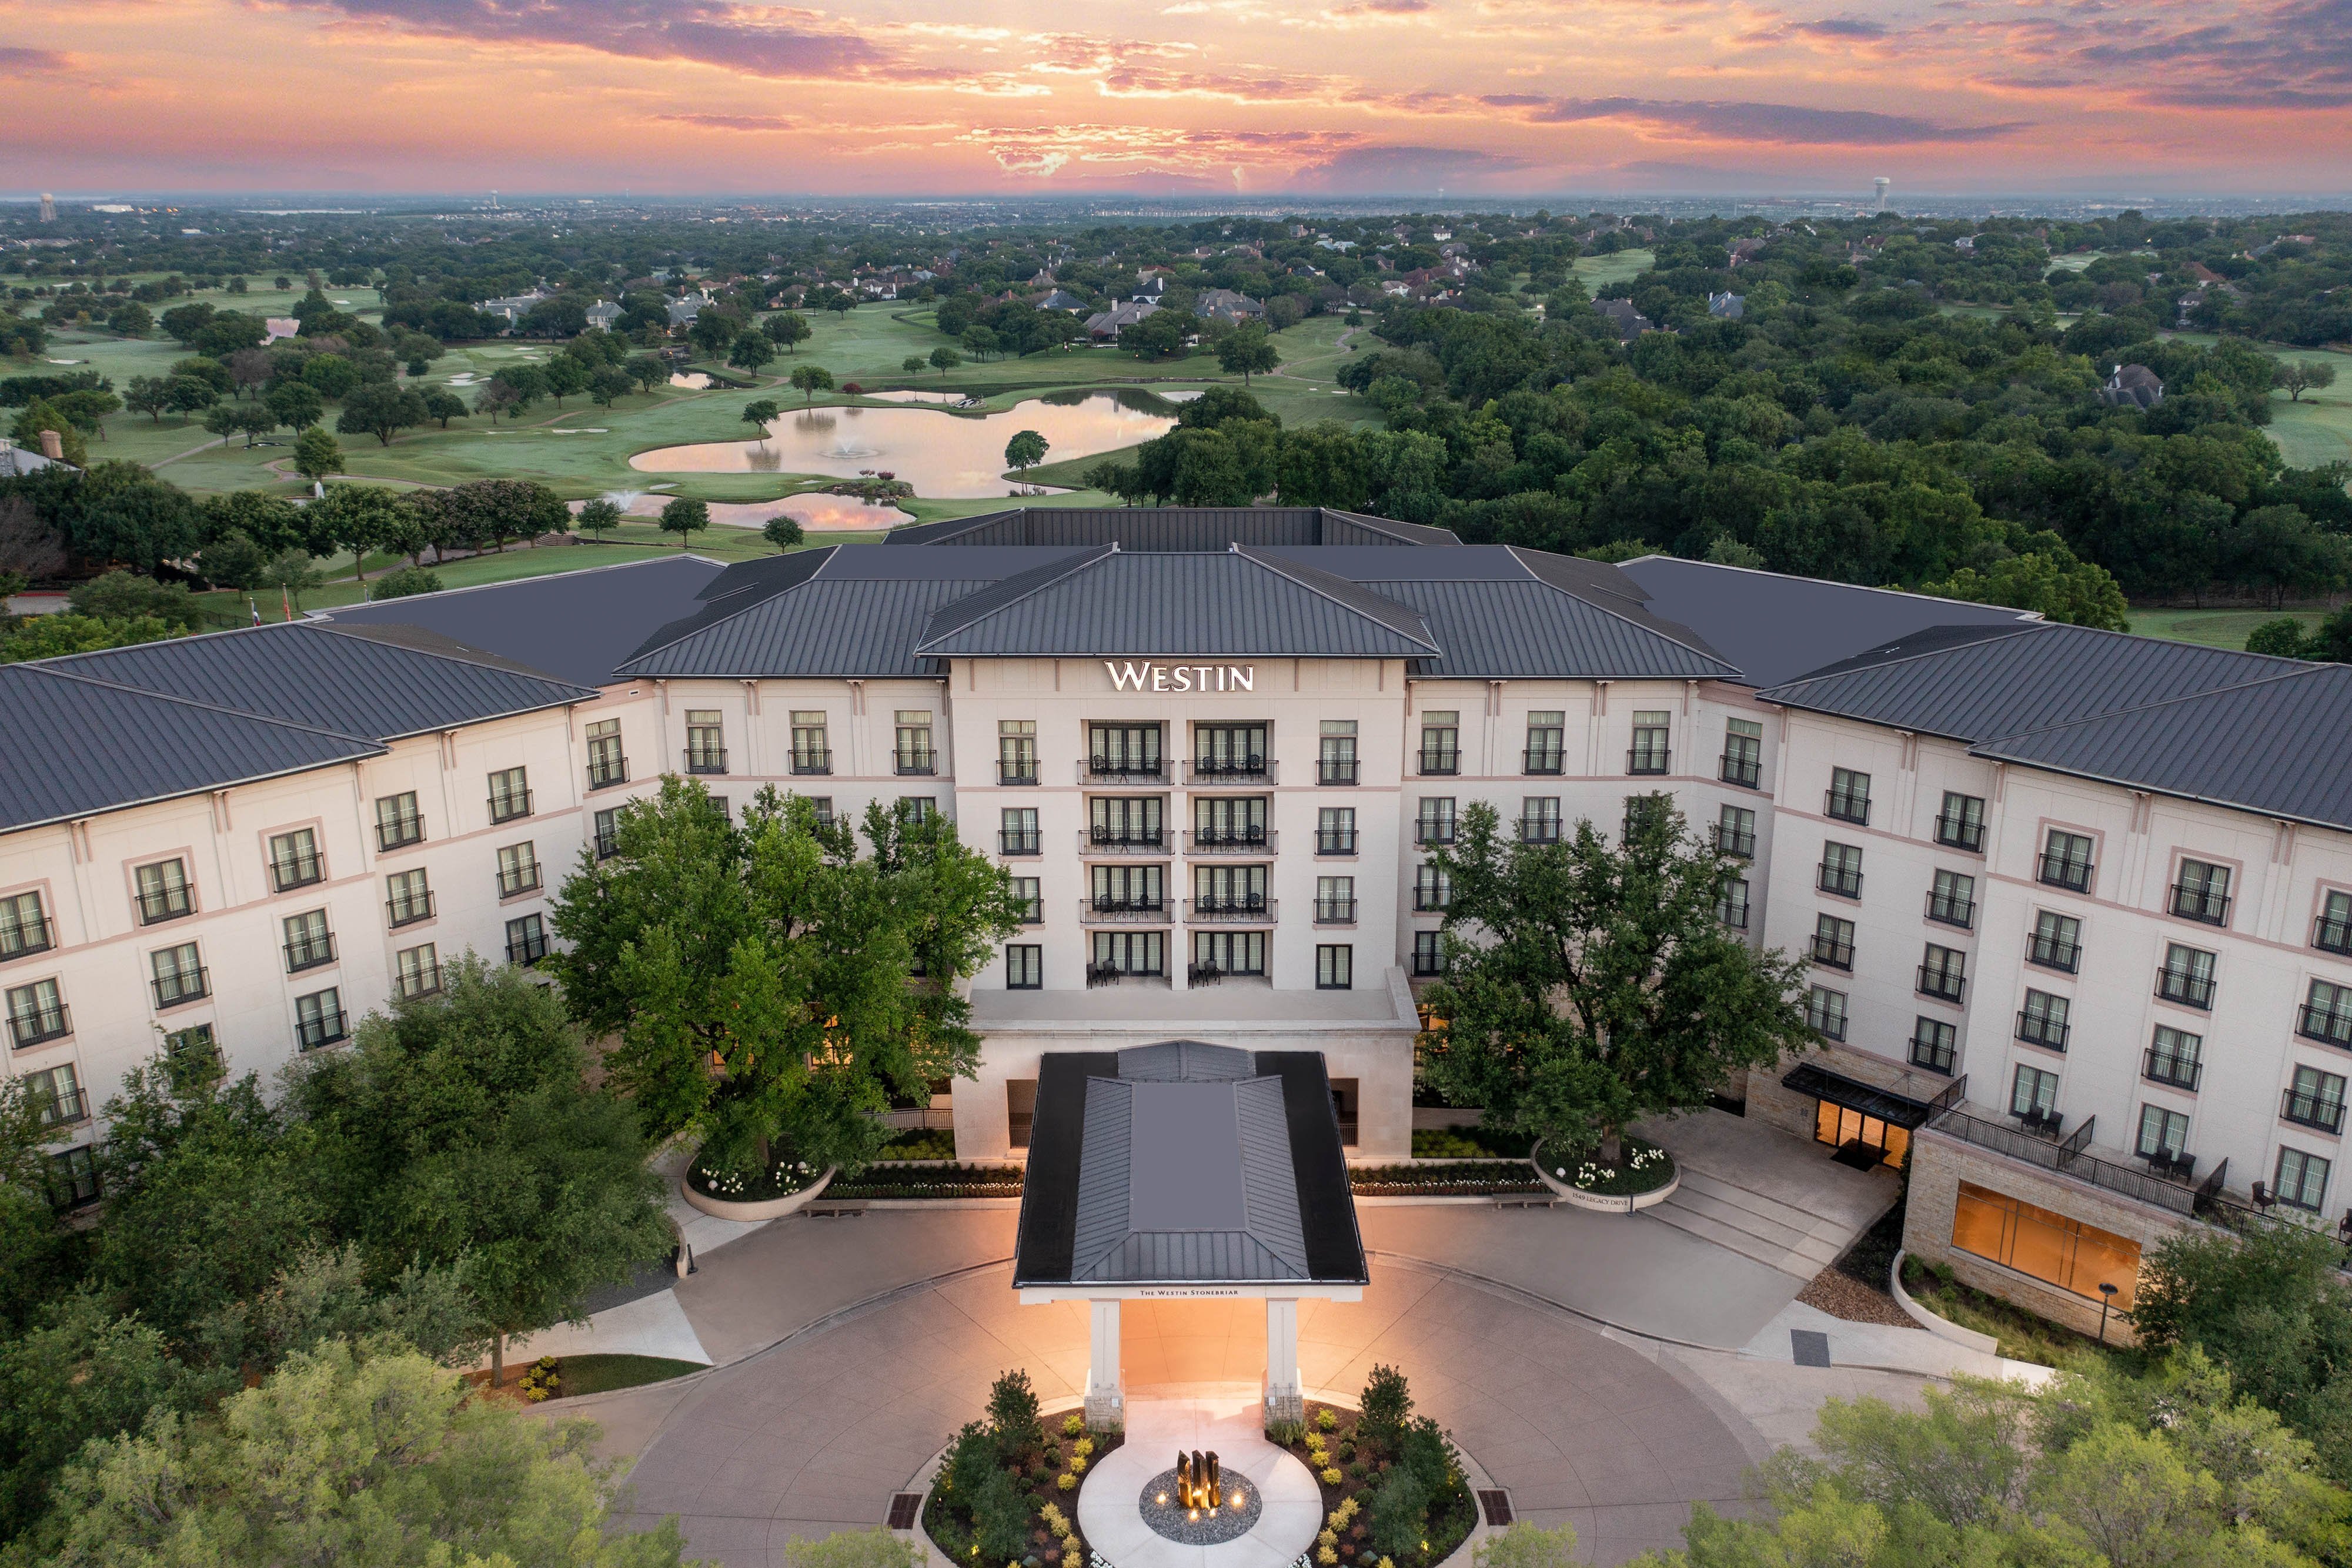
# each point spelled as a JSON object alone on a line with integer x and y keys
{"x": 1213, "y": 96}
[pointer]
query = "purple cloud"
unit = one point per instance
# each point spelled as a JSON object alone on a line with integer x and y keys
{"x": 14, "y": 58}
{"x": 708, "y": 32}
{"x": 1772, "y": 122}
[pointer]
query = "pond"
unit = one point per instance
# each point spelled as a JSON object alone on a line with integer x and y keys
{"x": 942, "y": 454}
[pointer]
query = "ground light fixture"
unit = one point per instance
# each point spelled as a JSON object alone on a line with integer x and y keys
{"x": 2107, "y": 1300}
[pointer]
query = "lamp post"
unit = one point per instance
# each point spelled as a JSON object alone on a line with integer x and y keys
{"x": 2107, "y": 1300}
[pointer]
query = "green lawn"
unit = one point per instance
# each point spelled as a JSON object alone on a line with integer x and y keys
{"x": 579, "y": 1374}
{"x": 2214, "y": 628}
{"x": 1599, "y": 271}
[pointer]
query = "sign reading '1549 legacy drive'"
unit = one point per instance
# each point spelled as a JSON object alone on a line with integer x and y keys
{"x": 1127, "y": 675}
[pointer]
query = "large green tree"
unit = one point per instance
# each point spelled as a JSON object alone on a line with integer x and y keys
{"x": 758, "y": 973}
{"x": 1590, "y": 983}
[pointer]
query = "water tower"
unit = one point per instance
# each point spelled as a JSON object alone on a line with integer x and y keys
{"x": 49, "y": 208}
{"x": 1878, "y": 194}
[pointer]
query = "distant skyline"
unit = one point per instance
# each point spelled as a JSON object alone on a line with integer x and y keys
{"x": 1206, "y": 98}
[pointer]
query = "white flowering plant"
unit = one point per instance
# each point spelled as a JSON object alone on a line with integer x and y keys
{"x": 1641, "y": 1167}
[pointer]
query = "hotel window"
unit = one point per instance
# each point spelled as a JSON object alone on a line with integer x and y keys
{"x": 178, "y": 974}
{"x": 1441, "y": 743}
{"x": 1230, "y": 890}
{"x": 191, "y": 1055}
{"x": 417, "y": 971}
{"x": 1230, "y": 952}
{"x": 1228, "y": 750}
{"x": 2302, "y": 1180}
{"x": 1017, "y": 832}
{"x": 2057, "y": 942}
{"x": 2032, "y": 1093}
{"x": 57, "y": 1092}
{"x": 398, "y": 822}
{"x": 1547, "y": 742}
{"x": 2202, "y": 892}
{"x": 1130, "y": 953}
{"x": 2333, "y": 929}
{"x": 1743, "y": 752}
{"x": 1934, "y": 1043}
{"x": 1848, "y": 796}
{"x": 1334, "y": 831}
{"x": 2187, "y": 977}
{"x": 1644, "y": 812}
{"x": 1433, "y": 889}
{"x": 1428, "y": 954}
{"x": 2327, "y": 1014}
{"x": 73, "y": 1178}
{"x": 2175, "y": 1058}
{"x": 1735, "y": 832}
{"x": 823, "y": 806}
{"x": 917, "y": 809}
{"x": 164, "y": 892}
{"x": 1731, "y": 908}
{"x": 1335, "y": 900}
{"x": 517, "y": 870}
{"x": 1943, "y": 972}
{"x": 319, "y": 1020}
{"x": 2043, "y": 1020}
{"x": 1834, "y": 941}
{"x": 2066, "y": 861}
{"x": 1841, "y": 870}
{"x": 37, "y": 1014}
{"x": 2045, "y": 1244}
{"x": 706, "y": 741}
{"x": 1435, "y": 823}
{"x": 1229, "y": 819}
{"x": 309, "y": 942}
{"x": 408, "y": 899}
{"x": 2315, "y": 1099}
{"x": 606, "y": 764}
{"x": 1334, "y": 966}
{"x": 1960, "y": 824}
{"x": 526, "y": 940}
{"x": 1826, "y": 1012}
{"x": 1649, "y": 752}
{"x": 1029, "y": 893}
{"x": 1129, "y": 820}
{"x": 811, "y": 752}
{"x": 606, "y": 830}
{"x": 1131, "y": 889}
{"x": 1124, "y": 752}
{"x": 1024, "y": 966}
{"x": 1335, "y": 758}
{"x": 2163, "y": 1134}
{"x": 1953, "y": 900}
{"x": 510, "y": 793}
{"x": 294, "y": 860}
{"x": 23, "y": 927}
{"x": 1016, "y": 751}
{"x": 1539, "y": 819}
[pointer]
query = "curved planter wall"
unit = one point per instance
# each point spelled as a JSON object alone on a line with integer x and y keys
{"x": 1943, "y": 1328}
{"x": 1604, "y": 1203}
{"x": 768, "y": 1208}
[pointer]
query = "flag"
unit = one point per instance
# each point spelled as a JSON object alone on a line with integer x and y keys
{"x": 286, "y": 600}
{"x": 254, "y": 607}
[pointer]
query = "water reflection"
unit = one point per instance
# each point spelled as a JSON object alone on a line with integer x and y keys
{"x": 693, "y": 381}
{"x": 941, "y": 452}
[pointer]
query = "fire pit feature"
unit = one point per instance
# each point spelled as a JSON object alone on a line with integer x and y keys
{"x": 1177, "y": 1505}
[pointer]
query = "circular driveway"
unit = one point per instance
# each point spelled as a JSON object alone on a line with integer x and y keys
{"x": 816, "y": 1433}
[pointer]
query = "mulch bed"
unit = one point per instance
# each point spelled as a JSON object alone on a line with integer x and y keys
{"x": 1450, "y": 1519}
{"x": 1842, "y": 1296}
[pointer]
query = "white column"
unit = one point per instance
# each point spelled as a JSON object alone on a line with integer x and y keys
{"x": 1285, "y": 1400}
{"x": 1106, "y": 1397}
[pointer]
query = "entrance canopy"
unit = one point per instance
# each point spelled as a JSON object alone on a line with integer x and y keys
{"x": 1185, "y": 1169}
{"x": 1884, "y": 1104}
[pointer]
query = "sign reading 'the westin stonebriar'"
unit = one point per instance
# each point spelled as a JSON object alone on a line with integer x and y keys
{"x": 1127, "y": 675}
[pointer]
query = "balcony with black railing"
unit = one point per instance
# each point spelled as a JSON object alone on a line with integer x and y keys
{"x": 1744, "y": 771}
{"x": 2070, "y": 872}
{"x": 1334, "y": 841}
{"x": 1105, "y": 909}
{"x": 817, "y": 759}
{"x": 409, "y": 910}
{"x": 1440, "y": 761}
{"x": 1427, "y": 965}
{"x": 1832, "y": 952}
{"x": 1844, "y": 881}
{"x": 309, "y": 952}
{"x": 1103, "y": 840}
{"x": 168, "y": 903}
{"x": 321, "y": 1029}
{"x": 176, "y": 987}
{"x": 1337, "y": 769}
{"x": 1739, "y": 841}
{"x": 2171, "y": 1069}
{"x": 1016, "y": 770}
{"x": 1433, "y": 830}
{"x": 399, "y": 832}
{"x": 2313, "y": 1111}
{"x": 1020, "y": 842}
{"x": 2034, "y": 1143}
{"x": 1933, "y": 1050}
{"x": 604, "y": 773}
{"x": 705, "y": 759}
{"x": 917, "y": 762}
{"x": 1538, "y": 830}
{"x": 1103, "y": 768}
{"x": 288, "y": 872}
{"x": 1213, "y": 771}
{"x": 1429, "y": 900}
{"x": 1335, "y": 911}
{"x": 1648, "y": 759}
{"x": 38, "y": 1026}
{"x": 1847, "y": 805}
{"x": 2332, "y": 935}
{"x": 1241, "y": 841}
{"x": 514, "y": 881}
{"x": 64, "y": 1110}
{"x": 2330, "y": 1026}
{"x": 2041, "y": 1030}
{"x": 1960, "y": 834}
{"x": 1115, "y": 975}
{"x": 2055, "y": 952}
{"x": 1952, "y": 909}
{"x": 1944, "y": 985}
{"x": 508, "y": 805}
{"x": 423, "y": 982}
{"x": 1231, "y": 909}
{"x": 608, "y": 842}
{"x": 27, "y": 938}
{"x": 2186, "y": 987}
{"x": 1733, "y": 911}
{"x": 1542, "y": 759}
{"x": 527, "y": 947}
{"x": 2191, "y": 902}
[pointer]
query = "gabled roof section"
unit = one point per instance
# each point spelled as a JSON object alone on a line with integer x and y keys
{"x": 81, "y": 745}
{"x": 2280, "y": 744}
{"x": 851, "y": 628}
{"x": 1171, "y": 528}
{"x": 1945, "y": 682}
{"x": 1232, "y": 604}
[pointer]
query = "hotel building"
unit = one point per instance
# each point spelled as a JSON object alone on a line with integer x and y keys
{"x": 2076, "y": 906}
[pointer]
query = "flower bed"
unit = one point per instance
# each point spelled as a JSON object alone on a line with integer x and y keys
{"x": 920, "y": 1144}
{"x": 1483, "y": 1179}
{"x": 1007, "y": 1491}
{"x": 1641, "y": 1167}
{"x": 1469, "y": 1143}
{"x": 2021, "y": 1335}
{"x": 904, "y": 1182}
{"x": 787, "y": 1176}
{"x": 1399, "y": 1501}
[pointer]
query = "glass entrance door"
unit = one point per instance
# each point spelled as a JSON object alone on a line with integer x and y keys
{"x": 1839, "y": 1127}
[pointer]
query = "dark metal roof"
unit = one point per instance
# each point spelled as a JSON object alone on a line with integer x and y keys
{"x": 308, "y": 673}
{"x": 1975, "y": 688}
{"x": 859, "y": 628}
{"x": 1776, "y": 628}
{"x": 1167, "y": 529}
{"x": 1525, "y": 629}
{"x": 2280, "y": 744}
{"x": 577, "y": 625}
{"x": 79, "y": 746}
{"x": 1820, "y": 1083}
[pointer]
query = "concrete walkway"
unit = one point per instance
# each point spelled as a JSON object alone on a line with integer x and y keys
{"x": 1774, "y": 1199}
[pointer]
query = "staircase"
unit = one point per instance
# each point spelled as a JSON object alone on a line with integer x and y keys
{"x": 1773, "y": 1233}
{"x": 1777, "y": 1199}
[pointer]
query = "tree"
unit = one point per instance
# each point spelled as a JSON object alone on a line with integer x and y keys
{"x": 755, "y": 972}
{"x": 271, "y": 522}
{"x": 750, "y": 352}
{"x": 1588, "y": 984}
{"x": 126, "y": 595}
{"x": 366, "y": 1455}
{"x": 80, "y": 1374}
{"x": 598, "y": 517}
{"x": 130, "y": 318}
{"x": 787, "y": 330}
{"x": 1160, "y": 334}
{"x": 685, "y": 516}
{"x": 150, "y": 395}
{"x": 358, "y": 518}
{"x": 233, "y": 560}
{"x": 318, "y": 455}
{"x": 2062, "y": 588}
{"x": 979, "y": 342}
{"x": 381, "y": 409}
{"x": 296, "y": 405}
{"x": 565, "y": 376}
{"x": 646, "y": 371}
{"x": 783, "y": 531}
{"x": 187, "y": 395}
{"x": 1526, "y": 1545}
{"x": 912, "y": 364}
{"x": 759, "y": 413}
{"x": 2281, "y": 639}
{"x": 249, "y": 420}
{"x": 461, "y": 1133}
{"x": 442, "y": 405}
{"x": 331, "y": 376}
{"x": 1247, "y": 351}
{"x": 944, "y": 360}
{"x": 1284, "y": 311}
{"x": 875, "y": 1548}
{"x": 295, "y": 574}
{"x": 811, "y": 380}
{"x": 1024, "y": 451}
{"x": 2300, "y": 376}
{"x": 608, "y": 385}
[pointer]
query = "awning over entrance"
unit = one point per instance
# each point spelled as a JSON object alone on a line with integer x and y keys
{"x": 1820, "y": 1083}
